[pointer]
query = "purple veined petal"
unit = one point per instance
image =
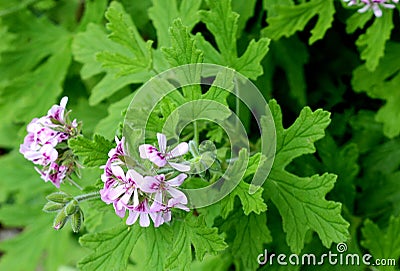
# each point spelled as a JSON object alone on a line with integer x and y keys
{"x": 126, "y": 197}
{"x": 104, "y": 196}
{"x": 135, "y": 198}
{"x": 149, "y": 184}
{"x": 157, "y": 219}
{"x": 134, "y": 175}
{"x": 167, "y": 216}
{"x": 132, "y": 218}
{"x": 178, "y": 180}
{"x": 391, "y": 6}
{"x": 179, "y": 150}
{"x": 119, "y": 212}
{"x": 363, "y": 9}
{"x": 146, "y": 150}
{"x": 49, "y": 152}
{"x": 179, "y": 166}
{"x": 174, "y": 203}
{"x": 144, "y": 220}
{"x": 118, "y": 173}
{"x": 377, "y": 10}
{"x": 64, "y": 101}
{"x": 178, "y": 195}
{"x": 162, "y": 142}
{"x": 158, "y": 159}
{"x": 33, "y": 155}
{"x": 116, "y": 192}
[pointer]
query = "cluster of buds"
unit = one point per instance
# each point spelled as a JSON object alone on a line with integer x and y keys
{"x": 45, "y": 145}
{"x": 145, "y": 196}
{"x": 67, "y": 208}
{"x": 375, "y": 6}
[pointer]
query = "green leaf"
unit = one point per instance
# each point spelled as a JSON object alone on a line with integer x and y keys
{"x": 246, "y": 11}
{"x": 292, "y": 55}
{"x": 39, "y": 49}
{"x": 373, "y": 42}
{"x": 124, "y": 32}
{"x": 250, "y": 202}
{"x": 183, "y": 49}
{"x": 249, "y": 234}
{"x": 108, "y": 126}
{"x": 163, "y": 13}
{"x": 342, "y": 161}
{"x": 112, "y": 248}
{"x": 85, "y": 47}
{"x": 193, "y": 231}
{"x": 382, "y": 83}
{"x": 300, "y": 200}
{"x": 156, "y": 245}
{"x": 223, "y": 24}
{"x": 94, "y": 153}
{"x": 289, "y": 19}
{"x": 357, "y": 20}
{"x": 382, "y": 244}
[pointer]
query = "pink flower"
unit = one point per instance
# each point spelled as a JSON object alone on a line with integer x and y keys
{"x": 57, "y": 112}
{"x": 164, "y": 190}
{"x": 54, "y": 173}
{"x": 116, "y": 153}
{"x": 376, "y": 6}
{"x": 41, "y": 143}
{"x": 161, "y": 157}
{"x": 120, "y": 189}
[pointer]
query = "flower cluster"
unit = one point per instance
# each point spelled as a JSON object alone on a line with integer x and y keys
{"x": 145, "y": 197}
{"x": 373, "y": 5}
{"x": 45, "y": 143}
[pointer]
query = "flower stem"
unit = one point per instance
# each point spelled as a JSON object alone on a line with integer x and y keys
{"x": 89, "y": 196}
{"x": 74, "y": 183}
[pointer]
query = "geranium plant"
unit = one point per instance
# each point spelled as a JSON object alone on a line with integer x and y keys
{"x": 199, "y": 135}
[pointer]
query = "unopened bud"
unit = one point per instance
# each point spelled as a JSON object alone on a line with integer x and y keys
{"x": 52, "y": 207}
{"x": 76, "y": 221}
{"x": 60, "y": 220}
{"x": 59, "y": 197}
{"x": 71, "y": 208}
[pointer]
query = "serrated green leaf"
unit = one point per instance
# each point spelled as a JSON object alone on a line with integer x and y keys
{"x": 94, "y": 153}
{"x": 250, "y": 202}
{"x": 182, "y": 50}
{"x": 383, "y": 244}
{"x": 223, "y": 24}
{"x": 373, "y": 42}
{"x": 163, "y": 13}
{"x": 248, "y": 63}
{"x": 383, "y": 84}
{"x": 193, "y": 231}
{"x": 124, "y": 32}
{"x": 357, "y": 20}
{"x": 290, "y": 19}
{"x": 249, "y": 234}
{"x": 112, "y": 248}
{"x": 301, "y": 200}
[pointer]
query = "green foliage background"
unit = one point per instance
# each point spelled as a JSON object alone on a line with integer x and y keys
{"x": 336, "y": 176}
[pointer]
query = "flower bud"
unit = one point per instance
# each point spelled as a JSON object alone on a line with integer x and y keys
{"x": 60, "y": 220}
{"x": 71, "y": 208}
{"x": 76, "y": 221}
{"x": 59, "y": 197}
{"x": 52, "y": 207}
